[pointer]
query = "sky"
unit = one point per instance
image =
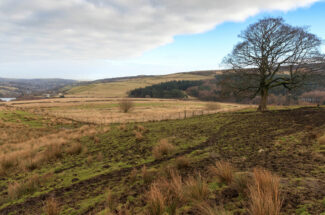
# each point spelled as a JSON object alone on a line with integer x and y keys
{"x": 95, "y": 39}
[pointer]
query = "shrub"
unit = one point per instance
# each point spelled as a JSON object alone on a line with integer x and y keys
{"x": 197, "y": 189}
{"x": 125, "y": 105}
{"x": 51, "y": 207}
{"x": 224, "y": 171}
{"x": 264, "y": 193}
{"x": 162, "y": 149}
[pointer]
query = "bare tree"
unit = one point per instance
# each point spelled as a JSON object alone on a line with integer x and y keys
{"x": 272, "y": 54}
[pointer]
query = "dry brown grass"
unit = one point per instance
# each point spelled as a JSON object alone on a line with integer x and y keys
{"x": 133, "y": 175}
{"x": 206, "y": 209}
{"x": 197, "y": 189}
{"x": 166, "y": 195}
{"x": 321, "y": 140}
{"x": 213, "y": 106}
{"x": 110, "y": 200}
{"x": 138, "y": 135}
{"x": 148, "y": 109}
{"x": 18, "y": 189}
{"x": 240, "y": 182}
{"x": 32, "y": 154}
{"x": 75, "y": 148}
{"x": 147, "y": 175}
{"x": 163, "y": 149}
{"x": 264, "y": 193}
{"x": 126, "y": 105}
{"x": 224, "y": 171}
{"x": 182, "y": 162}
{"x": 51, "y": 207}
{"x": 155, "y": 201}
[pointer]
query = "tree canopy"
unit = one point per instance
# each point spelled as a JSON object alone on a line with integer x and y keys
{"x": 272, "y": 54}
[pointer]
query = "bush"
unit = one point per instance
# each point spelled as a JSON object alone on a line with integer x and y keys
{"x": 162, "y": 149}
{"x": 264, "y": 193}
{"x": 224, "y": 171}
{"x": 125, "y": 105}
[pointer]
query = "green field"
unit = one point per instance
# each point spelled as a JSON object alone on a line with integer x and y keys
{"x": 105, "y": 174}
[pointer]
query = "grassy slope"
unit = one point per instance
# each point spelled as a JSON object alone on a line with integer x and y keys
{"x": 120, "y": 88}
{"x": 280, "y": 141}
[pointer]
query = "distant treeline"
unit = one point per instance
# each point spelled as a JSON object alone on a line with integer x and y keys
{"x": 171, "y": 89}
{"x": 216, "y": 90}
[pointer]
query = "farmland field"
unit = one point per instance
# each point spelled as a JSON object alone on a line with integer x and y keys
{"x": 53, "y": 158}
{"x": 120, "y": 88}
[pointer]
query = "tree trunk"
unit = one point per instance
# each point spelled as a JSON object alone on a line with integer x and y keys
{"x": 263, "y": 102}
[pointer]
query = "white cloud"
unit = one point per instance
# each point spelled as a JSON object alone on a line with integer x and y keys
{"x": 110, "y": 29}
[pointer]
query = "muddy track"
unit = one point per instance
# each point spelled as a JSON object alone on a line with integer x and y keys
{"x": 96, "y": 185}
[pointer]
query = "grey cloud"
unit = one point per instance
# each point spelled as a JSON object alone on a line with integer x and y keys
{"x": 110, "y": 29}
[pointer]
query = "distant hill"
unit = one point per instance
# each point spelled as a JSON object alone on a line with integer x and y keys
{"x": 119, "y": 87}
{"x": 10, "y": 87}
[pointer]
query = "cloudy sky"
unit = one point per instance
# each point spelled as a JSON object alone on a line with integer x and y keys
{"x": 92, "y": 39}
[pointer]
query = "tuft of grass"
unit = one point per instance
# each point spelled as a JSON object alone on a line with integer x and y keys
{"x": 16, "y": 189}
{"x": 110, "y": 200}
{"x": 321, "y": 140}
{"x": 54, "y": 151}
{"x": 147, "y": 175}
{"x": 182, "y": 162}
{"x": 224, "y": 171}
{"x": 162, "y": 149}
{"x": 51, "y": 207}
{"x": 206, "y": 209}
{"x": 241, "y": 182}
{"x": 126, "y": 105}
{"x": 75, "y": 149}
{"x": 155, "y": 201}
{"x": 138, "y": 135}
{"x": 133, "y": 175}
{"x": 197, "y": 189}
{"x": 264, "y": 193}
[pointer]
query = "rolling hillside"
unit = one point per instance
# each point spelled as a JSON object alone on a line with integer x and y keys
{"x": 118, "y": 87}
